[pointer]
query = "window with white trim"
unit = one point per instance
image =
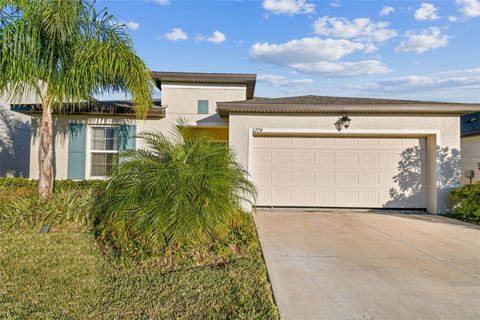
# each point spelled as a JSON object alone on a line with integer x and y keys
{"x": 104, "y": 146}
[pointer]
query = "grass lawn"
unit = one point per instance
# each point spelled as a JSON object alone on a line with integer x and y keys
{"x": 65, "y": 276}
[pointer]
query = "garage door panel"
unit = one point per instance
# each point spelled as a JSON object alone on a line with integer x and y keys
{"x": 282, "y": 177}
{"x": 263, "y": 157}
{"x": 348, "y": 143}
{"x": 340, "y": 172}
{"x": 282, "y": 158}
{"x": 325, "y": 196}
{"x": 304, "y": 178}
{"x": 304, "y": 196}
{"x": 346, "y": 178}
{"x": 305, "y": 158}
{"x": 369, "y": 159}
{"x": 325, "y": 158}
{"x": 346, "y": 159}
{"x": 324, "y": 142}
{"x": 369, "y": 178}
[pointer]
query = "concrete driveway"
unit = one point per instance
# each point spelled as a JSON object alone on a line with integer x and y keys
{"x": 358, "y": 265}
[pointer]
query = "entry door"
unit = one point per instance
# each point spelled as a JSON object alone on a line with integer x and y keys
{"x": 363, "y": 172}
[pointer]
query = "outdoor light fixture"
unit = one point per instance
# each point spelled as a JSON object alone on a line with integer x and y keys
{"x": 346, "y": 121}
{"x": 45, "y": 228}
{"x": 343, "y": 122}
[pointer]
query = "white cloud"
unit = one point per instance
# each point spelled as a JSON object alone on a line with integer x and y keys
{"x": 452, "y": 18}
{"x": 427, "y": 11}
{"x": 132, "y": 25}
{"x": 282, "y": 81}
{"x": 307, "y": 49}
{"x": 343, "y": 69}
{"x": 428, "y": 39}
{"x": 456, "y": 79}
{"x": 360, "y": 29}
{"x": 162, "y": 2}
{"x": 317, "y": 56}
{"x": 289, "y": 7}
{"x": 471, "y": 8}
{"x": 386, "y": 10}
{"x": 335, "y": 3}
{"x": 217, "y": 37}
{"x": 177, "y": 34}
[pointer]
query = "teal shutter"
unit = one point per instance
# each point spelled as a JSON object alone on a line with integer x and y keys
{"x": 202, "y": 106}
{"x": 77, "y": 142}
{"x": 127, "y": 137}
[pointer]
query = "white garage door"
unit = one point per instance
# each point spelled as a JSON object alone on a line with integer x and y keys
{"x": 359, "y": 172}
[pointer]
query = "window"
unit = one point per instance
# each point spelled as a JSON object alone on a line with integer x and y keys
{"x": 104, "y": 150}
{"x": 202, "y": 106}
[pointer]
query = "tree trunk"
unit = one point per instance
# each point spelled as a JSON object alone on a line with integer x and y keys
{"x": 45, "y": 152}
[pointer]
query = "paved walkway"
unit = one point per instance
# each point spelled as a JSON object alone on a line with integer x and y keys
{"x": 358, "y": 265}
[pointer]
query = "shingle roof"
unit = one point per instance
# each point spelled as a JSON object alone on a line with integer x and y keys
{"x": 97, "y": 107}
{"x": 321, "y": 104}
{"x": 312, "y": 99}
{"x": 470, "y": 124}
{"x": 211, "y": 78}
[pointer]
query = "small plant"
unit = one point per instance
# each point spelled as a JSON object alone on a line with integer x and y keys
{"x": 21, "y": 208}
{"x": 176, "y": 192}
{"x": 465, "y": 203}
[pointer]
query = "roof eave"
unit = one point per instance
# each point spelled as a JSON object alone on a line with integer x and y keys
{"x": 247, "y": 79}
{"x": 152, "y": 113}
{"x": 225, "y": 108}
{"x": 470, "y": 134}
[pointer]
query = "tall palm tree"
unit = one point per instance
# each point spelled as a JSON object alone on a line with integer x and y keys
{"x": 73, "y": 51}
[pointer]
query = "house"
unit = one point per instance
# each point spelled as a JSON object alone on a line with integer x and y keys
{"x": 309, "y": 151}
{"x": 470, "y": 146}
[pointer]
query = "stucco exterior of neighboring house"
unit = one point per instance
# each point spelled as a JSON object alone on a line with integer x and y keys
{"x": 470, "y": 144}
{"x": 308, "y": 151}
{"x": 15, "y": 134}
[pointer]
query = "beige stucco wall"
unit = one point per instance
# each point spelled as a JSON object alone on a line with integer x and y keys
{"x": 181, "y": 103}
{"x": 181, "y": 99}
{"x": 444, "y": 162}
{"x": 471, "y": 157}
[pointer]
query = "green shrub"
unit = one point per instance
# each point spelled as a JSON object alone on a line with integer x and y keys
{"x": 175, "y": 193}
{"x": 465, "y": 202}
{"x": 12, "y": 184}
{"x": 68, "y": 206}
{"x": 21, "y": 208}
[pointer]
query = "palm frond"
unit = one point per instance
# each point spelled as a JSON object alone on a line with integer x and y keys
{"x": 175, "y": 190}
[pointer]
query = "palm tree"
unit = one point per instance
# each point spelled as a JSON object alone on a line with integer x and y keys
{"x": 179, "y": 189}
{"x": 74, "y": 52}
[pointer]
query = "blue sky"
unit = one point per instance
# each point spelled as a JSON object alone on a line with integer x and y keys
{"x": 428, "y": 50}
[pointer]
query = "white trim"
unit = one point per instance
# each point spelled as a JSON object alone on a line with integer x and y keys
{"x": 347, "y": 132}
{"x": 203, "y": 86}
{"x": 89, "y": 151}
{"x": 104, "y": 151}
{"x": 201, "y": 124}
{"x": 250, "y": 154}
{"x": 432, "y": 205}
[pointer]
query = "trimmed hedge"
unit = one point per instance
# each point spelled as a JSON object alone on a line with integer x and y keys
{"x": 21, "y": 208}
{"x": 22, "y": 183}
{"x": 465, "y": 203}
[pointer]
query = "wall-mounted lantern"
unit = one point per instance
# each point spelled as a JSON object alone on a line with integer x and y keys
{"x": 343, "y": 122}
{"x": 469, "y": 174}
